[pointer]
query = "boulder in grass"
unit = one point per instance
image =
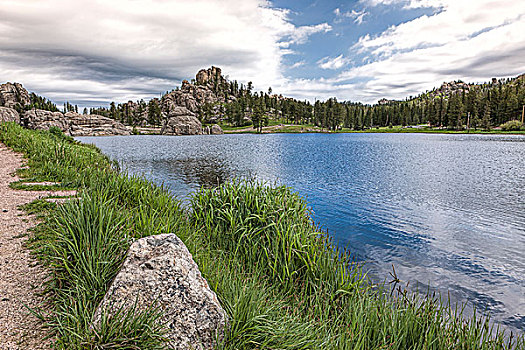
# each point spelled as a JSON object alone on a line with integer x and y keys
{"x": 159, "y": 271}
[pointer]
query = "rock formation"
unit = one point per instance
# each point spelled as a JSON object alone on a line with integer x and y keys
{"x": 178, "y": 111}
{"x": 38, "y": 119}
{"x": 384, "y": 101}
{"x": 211, "y": 77}
{"x": 9, "y": 115}
{"x": 159, "y": 272}
{"x": 181, "y": 121}
{"x": 13, "y": 94}
{"x": 73, "y": 124}
{"x": 451, "y": 88}
{"x": 93, "y": 125}
{"x": 189, "y": 96}
{"x": 210, "y": 88}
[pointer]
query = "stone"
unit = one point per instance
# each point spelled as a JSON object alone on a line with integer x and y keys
{"x": 94, "y": 125}
{"x": 73, "y": 124}
{"x": 181, "y": 121}
{"x": 210, "y": 76}
{"x": 38, "y": 119}
{"x": 13, "y": 94}
{"x": 216, "y": 130}
{"x": 159, "y": 271}
{"x": 209, "y": 89}
{"x": 176, "y": 111}
{"x": 9, "y": 115}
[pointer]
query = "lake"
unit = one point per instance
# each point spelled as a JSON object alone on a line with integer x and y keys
{"x": 447, "y": 210}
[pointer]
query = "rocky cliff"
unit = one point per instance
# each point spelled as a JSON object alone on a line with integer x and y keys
{"x": 452, "y": 87}
{"x": 13, "y": 94}
{"x": 181, "y": 121}
{"x": 38, "y": 119}
{"x": 93, "y": 125}
{"x": 9, "y": 115}
{"x": 73, "y": 124}
{"x": 210, "y": 88}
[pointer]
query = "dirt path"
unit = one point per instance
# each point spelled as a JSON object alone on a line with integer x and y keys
{"x": 21, "y": 278}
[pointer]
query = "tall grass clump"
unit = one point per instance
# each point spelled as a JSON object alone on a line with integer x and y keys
{"x": 269, "y": 228}
{"x": 293, "y": 275}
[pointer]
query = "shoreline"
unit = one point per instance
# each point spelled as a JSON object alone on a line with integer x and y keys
{"x": 298, "y": 129}
{"x": 283, "y": 298}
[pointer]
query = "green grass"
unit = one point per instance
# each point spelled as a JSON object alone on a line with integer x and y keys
{"x": 38, "y": 207}
{"x": 21, "y": 185}
{"x": 283, "y": 283}
{"x": 303, "y": 128}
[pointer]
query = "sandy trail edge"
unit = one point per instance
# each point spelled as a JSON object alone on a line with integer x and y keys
{"x": 21, "y": 278}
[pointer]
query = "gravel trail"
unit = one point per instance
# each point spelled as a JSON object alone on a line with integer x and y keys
{"x": 21, "y": 278}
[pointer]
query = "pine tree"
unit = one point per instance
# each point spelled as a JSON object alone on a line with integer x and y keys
{"x": 258, "y": 117}
{"x": 485, "y": 121}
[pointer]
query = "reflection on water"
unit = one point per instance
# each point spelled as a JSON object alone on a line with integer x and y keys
{"x": 446, "y": 210}
{"x": 204, "y": 172}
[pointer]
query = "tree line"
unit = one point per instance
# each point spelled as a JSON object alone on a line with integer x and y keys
{"x": 480, "y": 106}
{"x": 474, "y": 106}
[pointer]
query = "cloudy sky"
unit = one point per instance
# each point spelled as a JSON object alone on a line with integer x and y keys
{"x": 93, "y": 52}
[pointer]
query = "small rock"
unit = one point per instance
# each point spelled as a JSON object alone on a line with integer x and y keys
{"x": 216, "y": 130}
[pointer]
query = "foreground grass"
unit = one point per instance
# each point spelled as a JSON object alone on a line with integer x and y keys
{"x": 283, "y": 283}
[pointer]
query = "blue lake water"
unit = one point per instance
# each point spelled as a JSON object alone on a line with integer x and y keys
{"x": 447, "y": 210}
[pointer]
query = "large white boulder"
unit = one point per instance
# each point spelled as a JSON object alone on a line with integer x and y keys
{"x": 160, "y": 271}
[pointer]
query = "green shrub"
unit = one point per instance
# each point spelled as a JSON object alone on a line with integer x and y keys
{"x": 512, "y": 125}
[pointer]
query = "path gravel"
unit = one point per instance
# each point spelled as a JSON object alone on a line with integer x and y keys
{"x": 21, "y": 278}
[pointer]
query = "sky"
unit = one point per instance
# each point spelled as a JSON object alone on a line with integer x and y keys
{"x": 93, "y": 52}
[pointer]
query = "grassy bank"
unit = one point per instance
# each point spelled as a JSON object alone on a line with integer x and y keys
{"x": 282, "y": 282}
{"x": 310, "y": 128}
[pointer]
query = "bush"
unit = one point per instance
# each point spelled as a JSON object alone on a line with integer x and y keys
{"x": 512, "y": 125}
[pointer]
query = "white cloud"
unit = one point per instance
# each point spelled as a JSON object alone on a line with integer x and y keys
{"x": 96, "y": 52}
{"x": 473, "y": 41}
{"x": 129, "y": 49}
{"x": 357, "y": 16}
{"x": 469, "y": 40}
{"x": 407, "y": 4}
{"x": 333, "y": 63}
{"x": 298, "y": 64}
{"x": 300, "y": 34}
